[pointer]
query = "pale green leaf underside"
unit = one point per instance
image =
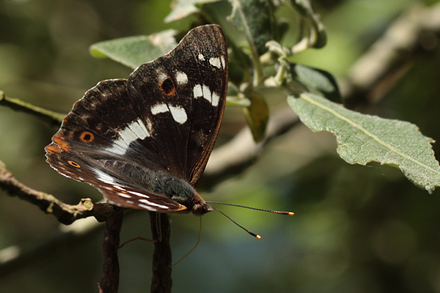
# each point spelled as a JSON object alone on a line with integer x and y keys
{"x": 134, "y": 51}
{"x": 181, "y": 9}
{"x": 184, "y": 8}
{"x": 365, "y": 138}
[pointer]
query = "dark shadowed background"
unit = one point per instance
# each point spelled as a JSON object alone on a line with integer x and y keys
{"x": 356, "y": 229}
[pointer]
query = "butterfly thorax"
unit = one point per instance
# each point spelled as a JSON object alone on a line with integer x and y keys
{"x": 150, "y": 181}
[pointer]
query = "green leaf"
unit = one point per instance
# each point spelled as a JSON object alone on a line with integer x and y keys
{"x": 133, "y": 51}
{"x": 316, "y": 81}
{"x": 257, "y": 115}
{"x": 185, "y": 8}
{"x": 318, "y": 35}
{"x": 254, "y": 18}
{"x": 365, "y": 138}
{"x": 238, "y": 101}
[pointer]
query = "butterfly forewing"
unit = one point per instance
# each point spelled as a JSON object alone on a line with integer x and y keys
{"x": 190, "y": 88}
{"x": 160, "y": 124}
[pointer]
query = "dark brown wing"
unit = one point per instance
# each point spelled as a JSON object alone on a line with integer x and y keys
{"x": 189, "y": 88}
{"x": 165, "y": 117}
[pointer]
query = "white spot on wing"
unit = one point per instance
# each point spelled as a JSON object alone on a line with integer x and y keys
{"x": 181, "y": 78}
{"x": 201, "y": 57}
{"x": 118, "y": 147}
{"x": 222, "y": 59}
{"x": 149, "y": 124}
{"x": 215, "y": 99}
{"x": 139, "y": 194}
{"x": 215, "y": 61}
{"x": 197, "y": 91}
{"x": 161, "y": 76}
{"x": 153, "y": 204}
{"x": 104, "y": 177}
{"x": 139, "y": 129}
{"x": 148, "y": 208}
{"x": 133, "y": 131}
{"x": 206, "y": 93}
{"x": 124, "y": 195}
{"x": 179, "y": 114}
{"x": 127, "y": 135}
{"x": 159, "y": 108}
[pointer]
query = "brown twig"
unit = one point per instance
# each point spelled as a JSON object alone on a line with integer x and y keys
{"x": 110, "y": 279}
{"x": 65, "y": 213}
{"x": 389, "y": 58}
{"x": 161, "y": 281}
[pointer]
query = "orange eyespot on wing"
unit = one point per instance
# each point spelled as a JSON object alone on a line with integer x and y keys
{"x": 86, "y": 137}
{"x": 74, "y": 164}
{"x": 167, "y": 87}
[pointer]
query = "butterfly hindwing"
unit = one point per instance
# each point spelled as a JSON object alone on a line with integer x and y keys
{"x": 116, "y": 184}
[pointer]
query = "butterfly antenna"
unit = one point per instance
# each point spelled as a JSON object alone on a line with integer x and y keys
{"x": 195, "y": 246}
{"x": 249, "y": 232}
{"x": 251, "y": 208}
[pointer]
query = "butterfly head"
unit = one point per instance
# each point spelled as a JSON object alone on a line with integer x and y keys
{"x": 199, "y": 207}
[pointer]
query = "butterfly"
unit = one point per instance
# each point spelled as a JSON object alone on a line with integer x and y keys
{"x": 144, "y": 142}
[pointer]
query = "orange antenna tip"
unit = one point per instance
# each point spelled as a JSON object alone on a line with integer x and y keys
{"x": 253, "y": 234}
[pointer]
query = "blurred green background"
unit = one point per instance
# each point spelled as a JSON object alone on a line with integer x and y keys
{"x": 356, "y": 229}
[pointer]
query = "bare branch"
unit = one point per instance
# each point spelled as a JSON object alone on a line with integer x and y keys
{"x": 388, "y": 59}
{"x": 161, "y": 281}
{"x": 44, "y": 114}
{"x": 64, "y": 213}
{"x": 110, "y": 280}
